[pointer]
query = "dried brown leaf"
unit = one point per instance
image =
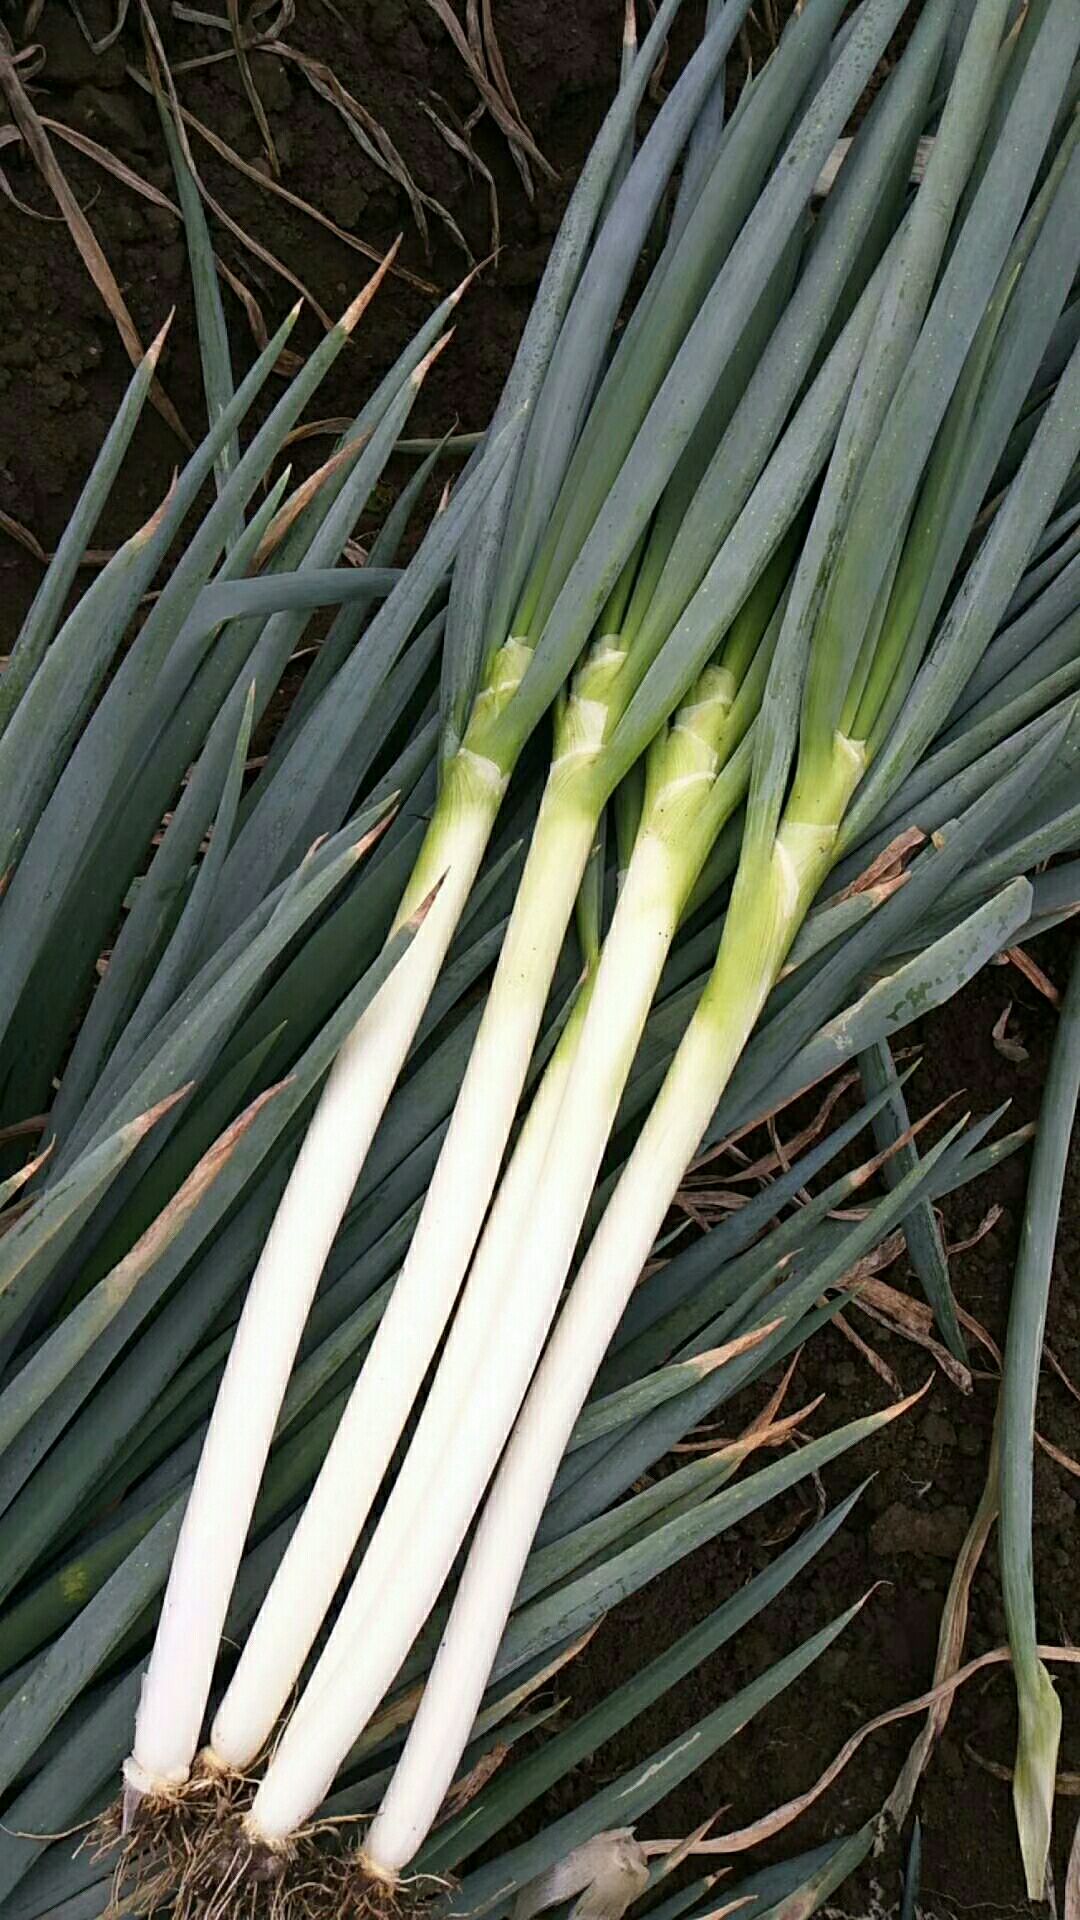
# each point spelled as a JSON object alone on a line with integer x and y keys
{"x": 288, "y": 362}
{"x": 23, "y": 535}
{"x": 868, "y": 1353}
{"x": 269, "y": 185}
{"x": 374, "y": 141}
{"x": 16, "y": 1181}
{"x": 10, "y": 136}
{"x": 885, "y": 865}
{"x": 953, "y": 1369}
{"x": 781, "y": 1817}
{"x": 100, "y": 43}
{"x": 39, "y": 146}
{"x": 162, "y": 85}
{"x": 755, "y": 1436}
{"x": 986, "y": 1225}
{"x": 24, "y": 1129}
{"x": 247, "y": 80}
{"x": 1019, "y": 958}
{"x": 459, "y": 144}
{"x": 470, "y": 1784}
{"x": 496, "y": 63}
{"x": 1010, "y": 1049}
{"x": 768, "y": 1164}
{"x": 950, "y": 1648}
{"x": 300, "y": 498}
{"x": 1056, "y": 1453}
{"x": 1056, "y": 1367}
{"x": 674, "y": 1852}
{"x": 506, "y": 118}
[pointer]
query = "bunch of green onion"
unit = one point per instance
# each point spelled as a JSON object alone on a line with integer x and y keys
{"x": 672, "y": 537}
{"x": 851, "y": 689}
{"x": 706, "y": 326}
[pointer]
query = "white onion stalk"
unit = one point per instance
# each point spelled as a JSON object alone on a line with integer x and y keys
{"x": 872, "y": 579}
{"x": 697, "y": 774}
{"x": 461, "y": 1188}
{"x": 765, "y": 913}
{"x": 442, "y": 1245}
{"x": 622, "y": 479}
{"x": 218, "y": 1514}
{"x": 698, "y": 357}
{"x": 594, "y": 263}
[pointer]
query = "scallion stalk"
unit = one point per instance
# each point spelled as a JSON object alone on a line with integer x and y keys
{"x": 590, "y": 754}
{"x": 697, "y": 775}
{"x": 473, "y": 782}
{"x": 788, "y": 849}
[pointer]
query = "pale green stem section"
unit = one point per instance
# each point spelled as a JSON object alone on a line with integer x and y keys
{"x": 771, "y": 898}
{"x": 1035, "y": 1770}
{"x": 515, "y": 1282}
{"x": 457, "y": 1200}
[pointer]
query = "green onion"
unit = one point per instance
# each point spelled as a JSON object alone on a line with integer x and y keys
{"x": 1037, "y": 1702}
{"x": 473, "y": 783}
{"x": 644, "y": 543}
{"x": 857, "y": 665}
{"x": 589, "y": 753}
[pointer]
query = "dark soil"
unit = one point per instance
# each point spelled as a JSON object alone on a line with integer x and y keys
{"x": 61, "y": 371}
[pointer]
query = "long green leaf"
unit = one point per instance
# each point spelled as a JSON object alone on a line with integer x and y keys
{"x": 1037, "y": 1701}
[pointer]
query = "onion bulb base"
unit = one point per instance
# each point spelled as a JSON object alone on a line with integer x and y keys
{"x": 313, "y": 1875}
{"x": 193, "y": 1852}
{"x": 360, "y": 1888}
{"x": 171, "y": 1847}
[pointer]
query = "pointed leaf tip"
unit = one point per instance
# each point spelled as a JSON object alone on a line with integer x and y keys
{"x": 143, "y": 1122}
{"x": 144, "y": 534}
{"x": 268, "y": 1093}
{"x": 716, "y": 1357}
{"x": 368, "y": 839}
{"x": 362, "y": 300}
{"x": 459, "y": 291}
{"x": 910, "y": 1400}
{"x": 1035, "y": 1777}
{"x": 869, "y": 1594}
{"x": 869, "y": 1168}
{"x": 153, "y": 351}
{"x": 420, "y": 371}
{"x": 226, "y": 1142}
{"x": 417, "y": 918}
{"x": 301, "y": 497}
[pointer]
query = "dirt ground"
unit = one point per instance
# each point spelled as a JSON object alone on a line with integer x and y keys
{"x": 61, "y": 371}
